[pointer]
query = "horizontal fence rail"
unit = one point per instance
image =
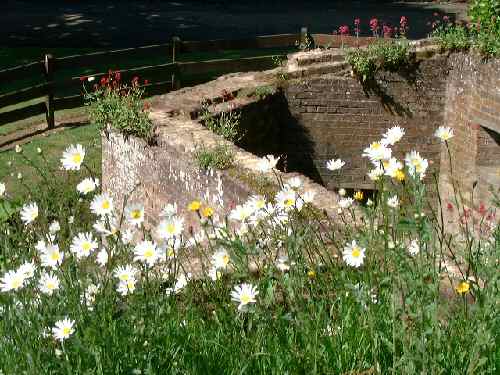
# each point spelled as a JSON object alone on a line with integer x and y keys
{"x": 60, "y": 94}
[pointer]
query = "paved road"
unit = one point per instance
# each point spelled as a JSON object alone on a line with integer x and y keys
{"x": 123, "y": 23}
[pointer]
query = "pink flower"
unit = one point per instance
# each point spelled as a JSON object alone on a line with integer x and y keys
{"x": 374, "y": 27}
{"x": 387, "y": 31}
{"x": 344, "y": 30}
{"x": 403, "y": 25}
{"x": 357, "y": 27}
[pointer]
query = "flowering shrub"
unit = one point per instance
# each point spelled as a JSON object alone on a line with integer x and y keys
{"x": 276, "y": 287}
{"x": 113, "y": 104}
{"x": 386, "y": 55}
{"x": 483, "y": 34}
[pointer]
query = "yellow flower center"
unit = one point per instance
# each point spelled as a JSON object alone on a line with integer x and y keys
{"x": 463, "y": 287}
{"x": 170, "y": 228}
{"x": 288, "y": 202}
{"x": 86, "y": 246}
{"x": 66, "y": 331}
{"x": 356, "y": 252}
{"x": 77, "y": 158}
{"x": 311, "y": 274}
{"x": 376, "y": 145}
{"x": 16, "y": 283}
{"x": 105, "y": 205}
{"x": 245, "y": 299}
{"x": 51, "y": 285}
{"x": 207, "y": 212}
{"x": 194, "y": 206}
{"x": 136, "y": 214}
{"x": 55, "y": 255}
{"x": 171, "y": 252}
{"x": 225, "y": 259}
{"x": 124, "y": 277}
{"x": 400, "y": 175}
{"x": 149, "y": 252}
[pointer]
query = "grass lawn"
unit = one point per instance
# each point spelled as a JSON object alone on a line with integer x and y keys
{"x": 52, "y": 146}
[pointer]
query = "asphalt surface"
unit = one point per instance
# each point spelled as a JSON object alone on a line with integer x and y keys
{"x": 130, "y": 23}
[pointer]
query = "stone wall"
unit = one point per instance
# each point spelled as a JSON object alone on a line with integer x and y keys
{"x": 472, "y": 109}
{"x": 338, "y": 117}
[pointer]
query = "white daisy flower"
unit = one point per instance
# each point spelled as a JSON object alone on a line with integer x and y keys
{"x": 416, "y": 164}
{"x": 342, "y": 192}
{"x": 221, "y": 259}
{"x": 287, "y": 199}
{"x": 28, "y": 269}
{"x": 377, "y": 151}
{"x": 88, "y": 185}
{"x": 346, "y": 202}
{"x": 244, "y": 295}
{"x": 376, "y": 173}
{"x": 63, "y": 329}
{"x": 180, "y": 283}
{"x": 2, "y": 189}
{"x": 51, "y": 256}
{"x": 54, "y": 227}
{"x": 146, "y": 252}
{"x": 215, "y": 274}
{"x": 414, "y": 248}
{"x": 295, "y": 183}
{"x": 125, "y": 273}
{"x": 102, "y": 257}
{"x": 170, "y": 228}
{"x": 12, "y": 280}
{"x": 127, "y": 287}
{"x": 353, "y": 254}
{"x": 83, "y": 244}
{"x": 257, "y": 202}
{"x": 89, "y": 295}
{"x": 309, "y": 196}
{"x": 267, "y": 163}
{"x": 241, "y": 212}
{"x": 393, "y": 201}
{"x": 393, "y": 135}
{"x": 334, "y": 164}
{"x": 444, "y": 133}
{"x": 169, "y": 210}
{"x": 29, "y": 213}
{"x": 73, "y": 158}
{"x": 106, "y": 227}
{"x": 392, "y": 166}
{"x": 283, "y": 264}
{"x": 48, "y": 283}
{"x": 134, "y": 214}
{"x": 102, "y": 205}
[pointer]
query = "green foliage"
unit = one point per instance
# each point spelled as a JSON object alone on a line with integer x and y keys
{"x": 383, "y": 55}
{"x": 482, "y": 35}
{"x": 397, "y": 313}
{"x": 453, "y": 37}
{"x": 226, "y": 123}
{"x": 119, "y": 106}
{"x": 485, "y": 12}
{"x": 263, "y": 92}
{"x": 219, "y": 157}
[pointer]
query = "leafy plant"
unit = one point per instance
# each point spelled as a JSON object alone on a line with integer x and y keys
{"x": 120, "y": 106}
{"x": 263, "y": 92}
{"x": 219, "y": 157}
{"x": 382, "y": 55}
{"x": 225, "y": 123}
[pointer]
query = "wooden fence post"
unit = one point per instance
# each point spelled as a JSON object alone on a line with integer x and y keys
{"x": 176, "y": 47}
{"x": 49, "y": 99}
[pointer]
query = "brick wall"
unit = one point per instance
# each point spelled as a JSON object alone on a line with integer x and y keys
{"x": 338, "y": 117}
{"x": 473, "y": 111}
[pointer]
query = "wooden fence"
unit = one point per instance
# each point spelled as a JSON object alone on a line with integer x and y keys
{"x": 163, "y": 77}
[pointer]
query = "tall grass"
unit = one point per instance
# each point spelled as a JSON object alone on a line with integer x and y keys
{"x": 421, "y": 300}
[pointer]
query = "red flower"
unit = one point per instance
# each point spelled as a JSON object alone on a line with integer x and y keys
{"x": 146, "y": 81}
{"x": 118, "y": 76}
{"x": 387, "y": 31}
{"x": 344, "y": 30}
{"x": 357, "y": 22}
{"x": 449, "y": 206}
{"x": 374, "y": 26}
